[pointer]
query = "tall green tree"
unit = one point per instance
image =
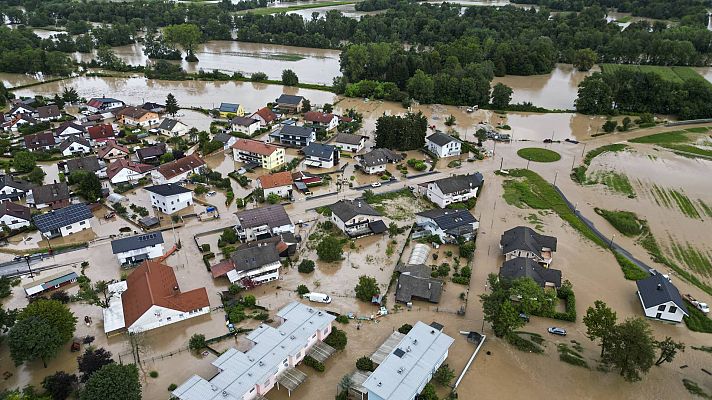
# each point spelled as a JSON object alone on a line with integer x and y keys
{"x": 171, "y": 104}
{"x": 366, "y": 288}
{"x": 401, "y": 133}
{"x": 88, "y": 184}
{"x": 600, "y": 321}
{"x": 60, "y": 385}
{"x": 668, "y": 349}
{"x": 584, "y": 59}
{"x": 185, "y": 35}
{"x": 498, "y": 309}
{"x": 24, "y": 161}
{"x": 289, "y": 78}
{"x": 595, "y": 96}
{"x": 329, "y": 249}
{"x": 93, "y": 360}
{"x": 631, "y": 349}
{"x": 501, "y": 96}
{"x": 113, "y": 382}
{"x": 41, "y": 330}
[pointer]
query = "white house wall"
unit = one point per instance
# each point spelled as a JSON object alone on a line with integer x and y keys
{"x": 665, "y": 314}
{"x": 13, "y": 222}
{"x": 154, "y": 251}
{"x": 127, "y": 175}
{"x": 171, "y": 204}
{"x": 75, "y": 227}
{"x": 281, "y": 191}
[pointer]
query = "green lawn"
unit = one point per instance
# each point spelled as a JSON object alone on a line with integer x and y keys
{"x": 673, "y": 74}
{"x": 537, "y": 154}
{"x": 680, "y": 141}
{"x": 625, "y": 222}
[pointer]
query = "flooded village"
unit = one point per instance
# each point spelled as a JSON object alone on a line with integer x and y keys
{"x": 253, "y": 240}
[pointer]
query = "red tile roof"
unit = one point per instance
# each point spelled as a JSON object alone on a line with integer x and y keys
{"x": 266, "y": 114}
{"x": 109, "y": 146}
{"x": 118, "y": 165}
{"x": 180, "y": 166}
{"x": 103, "y": 131}
{"x": 154, "y": 283}
{"x": 222, "y": 268}
{"x": 275, "y": 180}
{"x": 315, "y": 116}
{"x": 253, "y": 146}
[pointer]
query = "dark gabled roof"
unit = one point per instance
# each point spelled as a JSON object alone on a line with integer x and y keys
{"x": 448, "y": 219}
{"x": 223, "y": 137}
{"x": 289, "y": 99}
{"x": 415, "y": 281}
{"x": 73, "y": 139}
{"x": 133, "y": 112}
{"x": 88, "y": 163}
{"x": 243, "y": 121}
{"x": 348, "y": 138}
{"x": 379, "y": 157}
{"x": 180, "y": 166}
{"x": 169, "y": 123}
{"x": 657, "y": 289}
{"x": 64, "y": 216}
{"x": 15, "y": 210}
{"x": 42, "y": 139}
{"x": 524, "y": 238}
{"x": 69, "y": 124}
{"x": 347, "y": 209}
{"x": 9, "y": 180}
{"x": 272, "y": 215}
{"x": 441, "y": 139}
{"x": 248, "y": 258}
{"x": 522, "y": 267}
{"x": 48, "y": 111}
{"x": 324, "y": 151}
{"x": 293, "y": 130}
{"x": 51, "y": 192}
{"x": 136, "y": 242}
{"x": 377, "y": 226}
{"x": 150, "y": 106}
{"x": 151, "y": 151}
{"x": 168, "y": 189}
{"x": 459, "y": 183}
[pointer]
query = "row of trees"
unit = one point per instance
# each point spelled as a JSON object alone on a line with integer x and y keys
{"x": 688, "y": 10}
{"x": 401, "y": 132}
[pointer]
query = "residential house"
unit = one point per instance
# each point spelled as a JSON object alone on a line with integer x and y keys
{"x": 523, "y": 241}
{"x": 136, "y": 249}
{"x": 226, "y": 139}
{"x": 135, "y": 116}
{"x": 101, "y": 104}
{"x": 100, "y": 134}
{"x": 113, "y": 151}
{"x": 230, "y": 109}
{"x": 321, "y": 120}
{"x": 74, "y": 145}
{"x": 304, "y": 180}
{"x": 172, "y": 127}
{"x": 415, "y": 281}
{"x": 22, "y": 109}
{"x": 45, "y": 284}
{"x": 88, "y": 163}
{"x": 375, "y": 161}
{"x": 265, "y": 116}
{"x": 451, "y": 226}
{"x": 122, "y": 171}
{"x": 178, "y": 170}
{"x": 151, "y": 298}
{"x": 660, "y": 299}
{"x": 48, "y": 113}
{"x": 151, "y": 154}
{"x": 261, "y": 223}
{"x": 245, "y": 125}
{"x": 294, "y": 136}
{"x": 53, "y": 195}
{"x": 356, "y": 218}
{"x": 290, "y": 104}
{"x": 443, "y": 145}
{"x": 254, "y": 265}
{"x": 320, "y": 155}
{"x": 453, "y": 189}
{"x": 258, "y": 154}
{"x": 155, "y": 107}
{"x": 13, "y": 189}
{"x": 43, "y": 141}
{"x": 349, "y": 142}
{"x": 522, "y": 267}
{"x": 69, "y": 128}
{"x": 279, "y": 183}
{"x": 14, "y": 216}
{"x": 64, "y": 221}
{"x": 410, "y": 364}
{"x": 272, "y": 356}
{"x": 170, "y": 197}
{"x": 16, "y": 121}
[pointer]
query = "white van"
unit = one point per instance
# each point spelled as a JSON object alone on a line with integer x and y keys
{"x": 318, "y": 297}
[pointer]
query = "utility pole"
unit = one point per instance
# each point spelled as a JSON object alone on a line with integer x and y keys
{"x": 556, "y": 175}
{"x": 27, "y": 258}
{"x": 610, "y": 244}
{"x": 501, "y": 162}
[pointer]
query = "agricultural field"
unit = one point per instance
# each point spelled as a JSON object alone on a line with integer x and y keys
{"x": 693, "y": 142}
{"x": 673, "y": 74}
{"x": 677, "y": 199}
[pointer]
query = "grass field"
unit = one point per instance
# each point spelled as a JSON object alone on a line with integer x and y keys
{"x": 276, "y": 10}
{"x": 694, "y": 259}
{"x": 673, "y": 74}
{"x": 679, "y": 141}
{"x": 672, "y": 198}
{"x": 538, "y": 154}
{"x": 578, "y": 174}
{"x": 625, "y": 222}
{"x": 615, "y": 181}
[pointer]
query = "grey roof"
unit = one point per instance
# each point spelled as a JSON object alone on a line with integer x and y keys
{"x": 151, "y": 151}
{"x": 524, "y": 238}
{"x": 522, "y": 267}
{"x": 379, "y": 157}
{"x": 415, "y": 281}
{"x": 447, "y": 219}
{"x": 289, "y": 99}
{"x": 168, "y": 124}
{"x": 56, "y": 219}
{"x": 243, "y": 121}
{"x": 293, "y": 130}
{"x": 223, "y": 137}
{"x": 51, "y": 192}
{"x": 136, "y": 242}
{"x": 377, "y": 226}
{"x": 324, "y": 151}
{"x": 441, "y": 139}
{"x": 458, "y": 183}
{"x": 249, "y": 258}
{"x": 73, "y": 139}
{"x": 229, "y": 107}
{"x": 347, "y": 209}
{"x": 168, "y": 189}
{"x": 149, "y": 221}
{"x": 657, "y": 289}
{"x": 49, "y": 111}
{"x": 404, "y": 371}
{"x": 349, "y": 138}
{"x": 272, "y": 215}
{"x": 9, "y": 180}
{"x": 88, "y": 163}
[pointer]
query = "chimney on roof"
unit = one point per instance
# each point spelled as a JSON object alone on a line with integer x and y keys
{"x": 660, "y": 287}
{"x": 175, "y": 288}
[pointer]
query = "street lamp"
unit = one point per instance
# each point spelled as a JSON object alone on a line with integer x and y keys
{"x": 27, "y": 259}
{"x": 610, "y": 244}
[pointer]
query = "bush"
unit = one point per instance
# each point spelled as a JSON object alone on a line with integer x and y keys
{"x": 311, "y": 362}
{"x": 444, "y": 375}
{"x": 405, "y": 328}
{"x": 365, "y": 364}
{"x": 630, "y": 270}
{"x": 625, "y": 222}
{"x": 153, "y": 374}
{"x": 366, "y": 288}
{"x": 342, "y": 319}
{"x": 172, "y": 387}
{"x": 249, "y": 301}
{"x": 329, "y": 249}
{"x": 523, "y": 344}
{"x": 306, "y": 266}
{"x": 197, "y": 342}
{"x": 697, "y": 321}
{"x": 302, "y": 290}
{"x": 205, "y": 247}
{"x": 336, "y": 339}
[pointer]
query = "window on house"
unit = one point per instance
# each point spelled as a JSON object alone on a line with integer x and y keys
{"x": 661, "y": 307}
{"x": 168, "y": 318}
{"x": 672, "y": 309}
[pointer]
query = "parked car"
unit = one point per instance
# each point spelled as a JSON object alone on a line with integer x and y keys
{"x": 376, "y": 184}
{"x": 524, "y": 317}
{"x": 212, "y": 193}
{"x": 557, "y": 331}
{"x": 318, "y": 297}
